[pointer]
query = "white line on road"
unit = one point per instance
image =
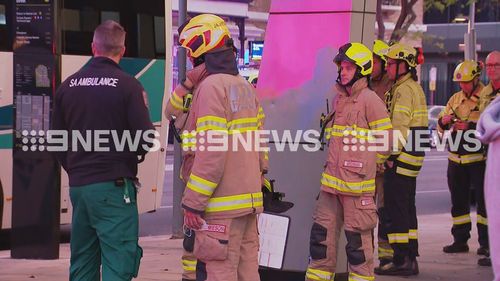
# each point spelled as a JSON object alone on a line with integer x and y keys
{"x": 169, "y": 167}
{"x": 166, "y": 207}
{"x": 436, "y": 159}
{"x": 433, "y": 191}
{"x": 148, "y": 66}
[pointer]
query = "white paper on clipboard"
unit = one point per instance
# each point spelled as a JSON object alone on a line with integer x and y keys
{"x": 273, "y": 233}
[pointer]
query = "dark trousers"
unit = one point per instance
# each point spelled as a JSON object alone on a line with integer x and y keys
{"x": 399, "y": 196}
{"x": 461, "y": 177}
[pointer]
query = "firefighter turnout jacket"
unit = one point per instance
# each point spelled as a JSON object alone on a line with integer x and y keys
{"x": 486, "y": 96}
{"x": 408, "y": 110}
{"x": 225, "y": 179}
{"x": 465, "y": 109}
{"x": 351, "y": 166}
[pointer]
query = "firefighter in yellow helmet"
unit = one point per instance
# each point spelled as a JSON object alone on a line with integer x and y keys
{"x": 347, "y": 191}
{"x": 381, "y": 84}
{"x": 223, "y": 191}
{"x": 408, "y": 110}
{"x": 466, "y": 165}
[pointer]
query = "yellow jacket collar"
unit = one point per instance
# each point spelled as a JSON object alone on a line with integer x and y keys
{"x": 402, "y": 79}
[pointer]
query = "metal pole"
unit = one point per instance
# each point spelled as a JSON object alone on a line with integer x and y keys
{"x": 470, "y": 36}
{"x": 178, "y": 185}
{"x": 241, "y": 26}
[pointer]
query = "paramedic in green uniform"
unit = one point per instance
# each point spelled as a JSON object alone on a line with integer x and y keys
{"x": 98, "y": 101}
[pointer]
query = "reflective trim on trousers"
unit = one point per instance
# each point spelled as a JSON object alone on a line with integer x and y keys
{"x": 413, "y": 234}
{"x": 320, "y": 275}
{"x": 466, "y": 159}
{"x": 465, "y": 219}
{"x": 189, "y": 265}
{"x": 356, "y": 277}
{"x": 482, "y": 220}
{"x": 407, "y": 172}
{"x": 385, "y": 253}
{"x": 398, "y": 238}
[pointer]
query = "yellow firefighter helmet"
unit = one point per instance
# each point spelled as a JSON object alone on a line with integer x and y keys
{"x": 466, "y": 71}
{"x": 358, "y": 54}
{"x": 400, "y": 51}
{"x": 202, "y": 34}
{"x": 380, "y": 48}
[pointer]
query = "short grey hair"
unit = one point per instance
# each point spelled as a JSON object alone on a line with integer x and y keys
{"x": 109, "y": 38}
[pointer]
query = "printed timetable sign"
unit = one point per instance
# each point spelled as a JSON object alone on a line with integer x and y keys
{"x": 33, "y": 26}
{"x": 33, "y": 91}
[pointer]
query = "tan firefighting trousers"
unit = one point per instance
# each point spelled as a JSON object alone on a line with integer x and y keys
{"x": 228, "y": 250}
{"x": 359, "y": 218}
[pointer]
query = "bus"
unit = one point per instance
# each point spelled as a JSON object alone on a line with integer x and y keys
{"x": 146, "y": 50}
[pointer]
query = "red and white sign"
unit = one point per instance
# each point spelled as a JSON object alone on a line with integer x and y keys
{"x": 218, "y": 228}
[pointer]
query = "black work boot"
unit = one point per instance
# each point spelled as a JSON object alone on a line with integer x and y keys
{"x": 414, "y": 267}
{"x": 483, "y": 251}
{"x": 484, "y": 262}
{"x": 391, "y": 269}
{"x": 384, "y": 262}
{"x": 456, "y": 247}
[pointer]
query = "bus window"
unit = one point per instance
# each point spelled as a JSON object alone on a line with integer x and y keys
{"x": 110, "y": 15}
{"x": 5, "y": 30}
{"x": 70, "y": 20}
{"x": 3, "y": 19}
{"x": 89, "y": 19}
{"x": 77, "y": 28}
{"x": 145, "y": 26}
{"x": 160, "y": 36}
{"x": 146, "y": 36}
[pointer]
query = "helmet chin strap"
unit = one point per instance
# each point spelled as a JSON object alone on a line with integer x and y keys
{"x": 474, "y": 86}
{"x": 397, "y": 70}
{"x": 356, "y": 77}
{"x": 199, "y": 60}
{"x": 398, "y": 75}
{"x": 383, "y": 71}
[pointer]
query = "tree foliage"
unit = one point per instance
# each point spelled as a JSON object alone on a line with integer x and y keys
{"x": 407, "y": 16}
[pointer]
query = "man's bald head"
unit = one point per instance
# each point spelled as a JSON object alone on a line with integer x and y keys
{"x": 493, "y": 57}
{"x": 493, "y": 66}
{"x": 109, "y": 39}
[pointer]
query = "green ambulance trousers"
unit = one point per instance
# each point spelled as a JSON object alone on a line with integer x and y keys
{"x": 104, "y": 230}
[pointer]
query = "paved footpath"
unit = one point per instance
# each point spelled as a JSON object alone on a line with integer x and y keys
{"x": 161, "y": 259}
